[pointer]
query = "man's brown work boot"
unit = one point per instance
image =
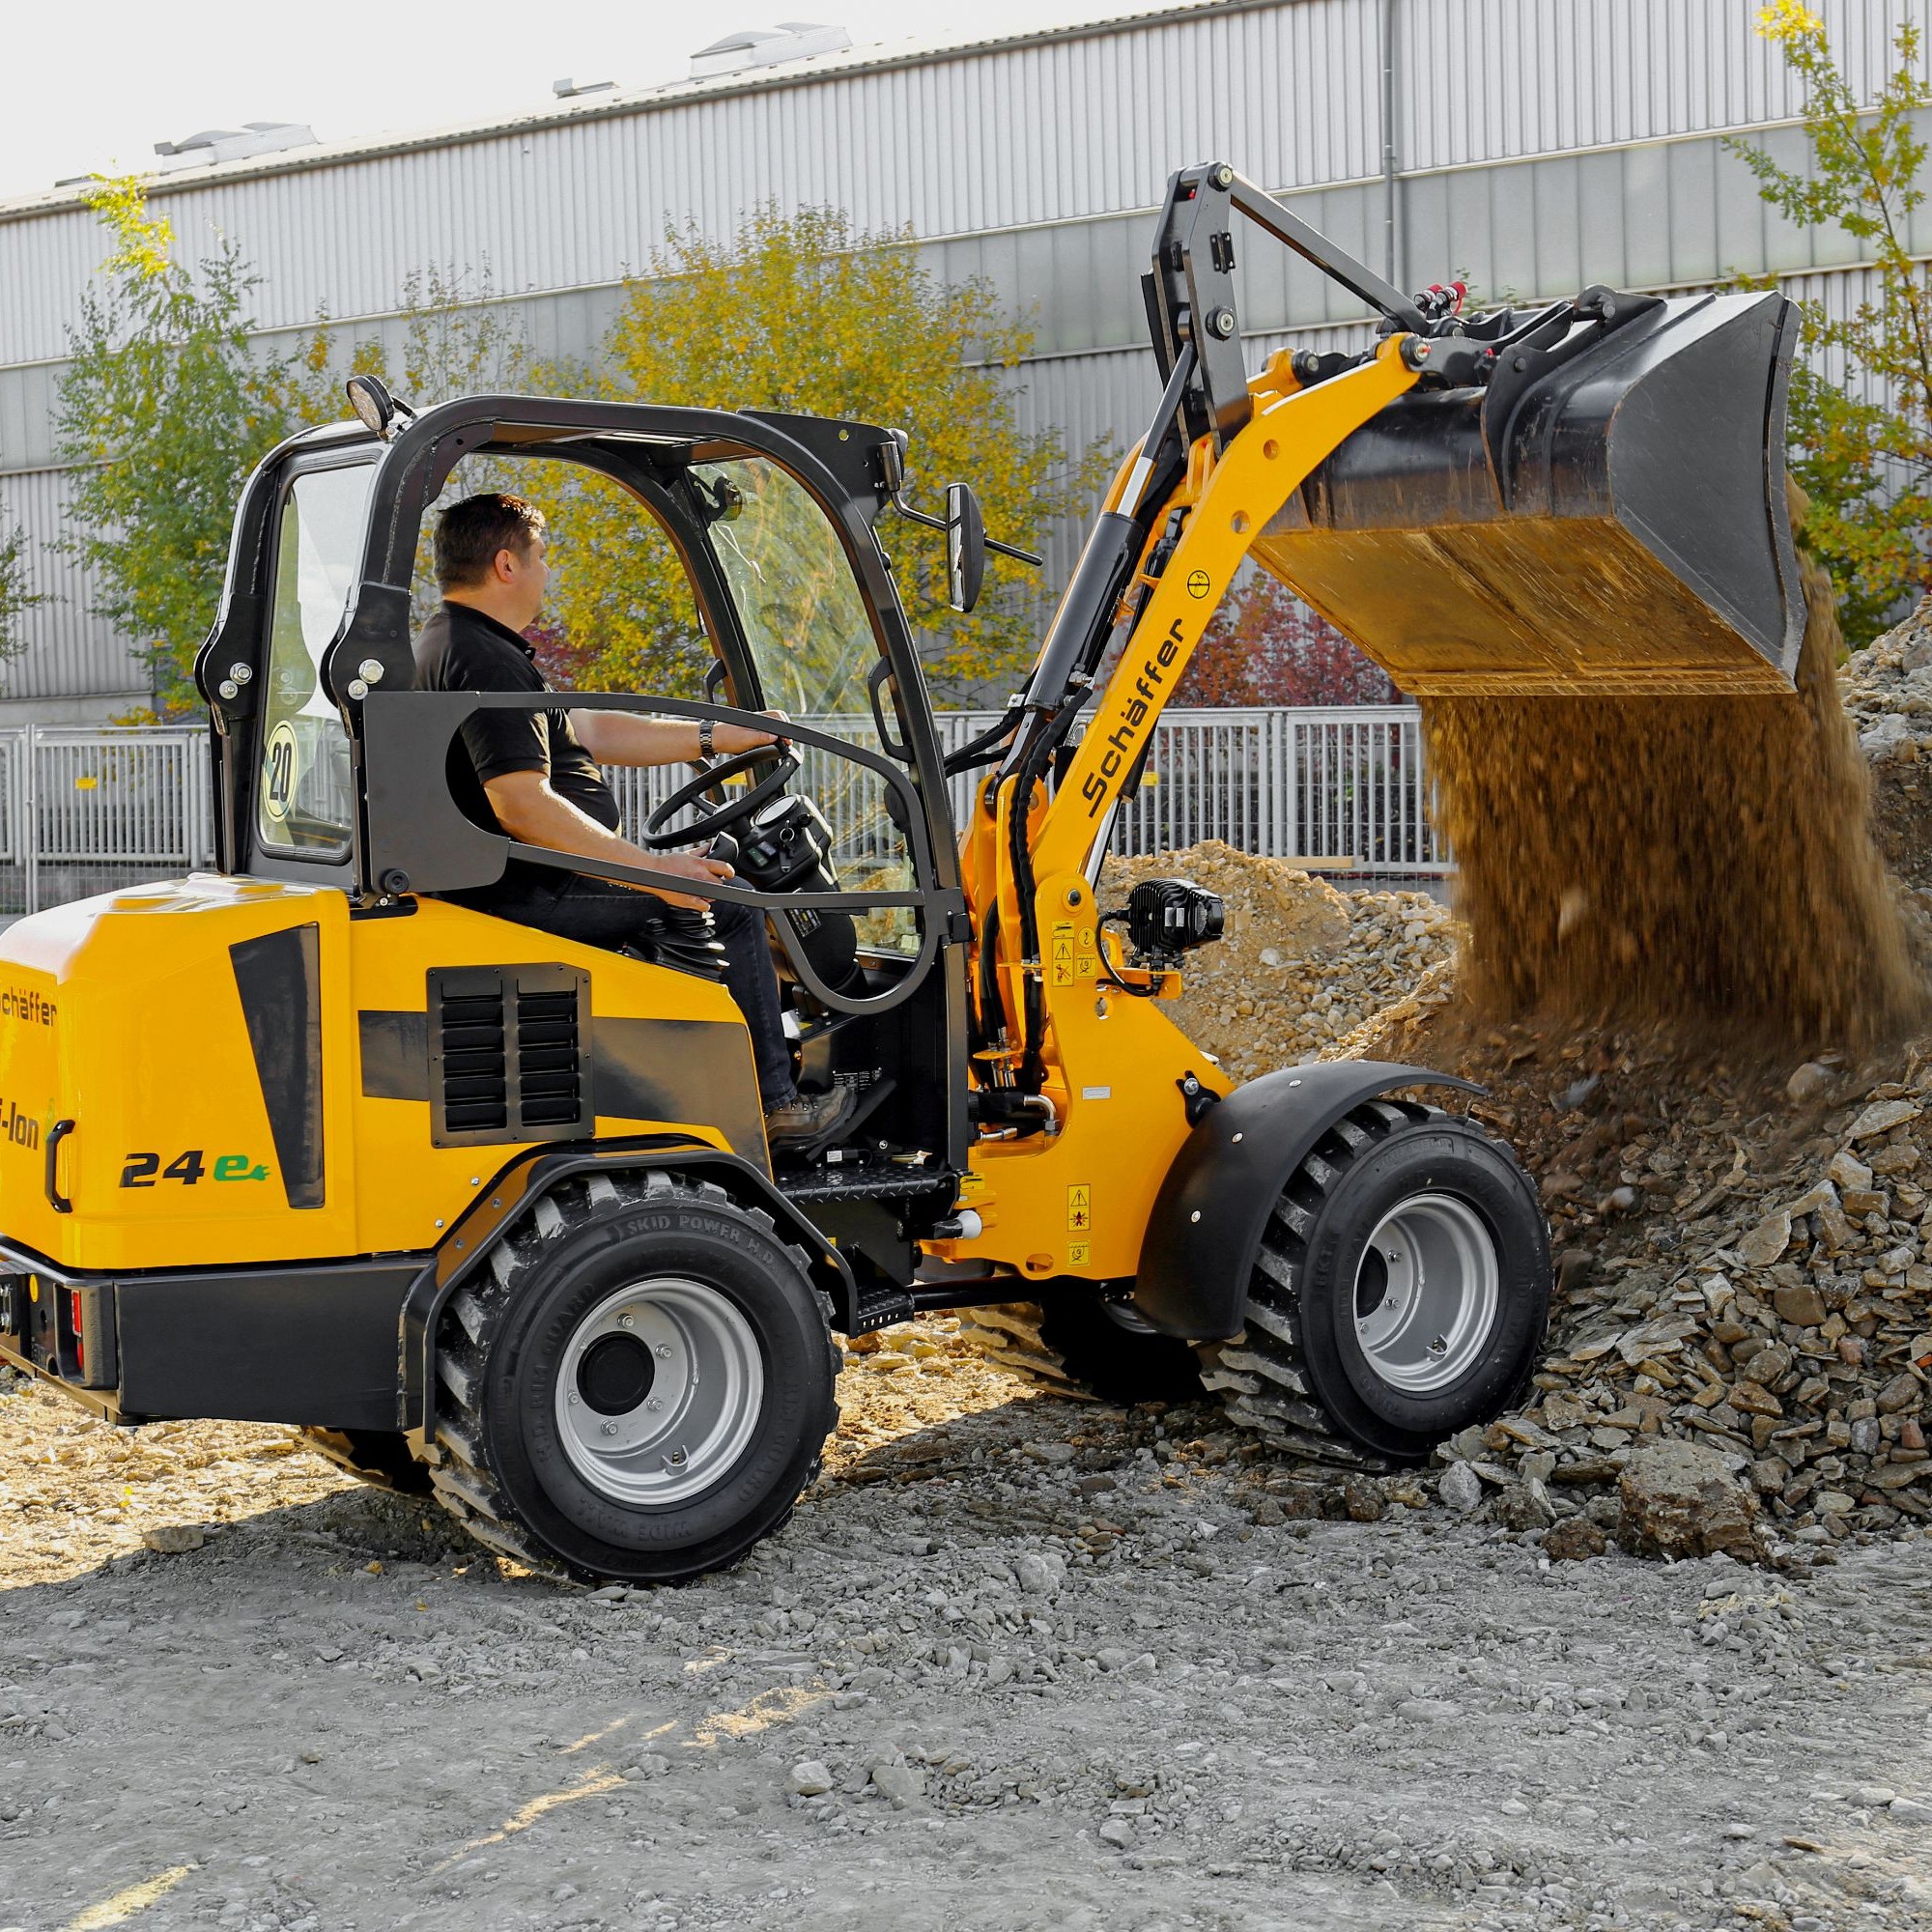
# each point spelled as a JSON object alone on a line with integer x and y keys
{"x": 808, "y": 1121}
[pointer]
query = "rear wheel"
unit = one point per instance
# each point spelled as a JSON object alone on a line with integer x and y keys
{"x": 1401, "y": 1291}
{"x": 1075, "y": 1347}
{"x": 640, "y": 1386}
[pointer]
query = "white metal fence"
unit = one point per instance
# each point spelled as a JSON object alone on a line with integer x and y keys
{"x": 89, "y": 810}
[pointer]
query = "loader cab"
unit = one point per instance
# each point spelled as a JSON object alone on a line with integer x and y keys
{"x": 744, "y": 576}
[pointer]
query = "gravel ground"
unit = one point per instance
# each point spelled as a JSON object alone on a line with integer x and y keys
{"x": 1021, "y": 1663}
{"x": 1016, "y": 1662}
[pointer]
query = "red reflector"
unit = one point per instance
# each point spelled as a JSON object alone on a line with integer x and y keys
{"x": 79, "y": 1335}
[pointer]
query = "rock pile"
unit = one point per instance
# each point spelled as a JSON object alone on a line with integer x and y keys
{"x": 1744, "y": 1264}
{"x": 1300, "y": 964}
{"x": 1887, "y": 691}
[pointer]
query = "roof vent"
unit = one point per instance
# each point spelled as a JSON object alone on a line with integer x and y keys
{"x": 767, "y": 46}
{"x": 233, "y": 144}
{"x": 575, "y": 90}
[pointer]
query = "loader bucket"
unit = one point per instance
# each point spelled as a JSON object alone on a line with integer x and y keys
{"x": 1607, "y": 518}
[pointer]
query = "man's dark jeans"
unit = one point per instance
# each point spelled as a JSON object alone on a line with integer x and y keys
{"x": 596, "y": 912}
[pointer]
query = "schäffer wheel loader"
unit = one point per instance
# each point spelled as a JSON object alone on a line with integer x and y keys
{"x": 301, "y": 1140}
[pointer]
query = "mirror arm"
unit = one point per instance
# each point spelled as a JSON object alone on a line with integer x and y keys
{"x": 912, "y": 516}
{"x": 1018, "y": 555}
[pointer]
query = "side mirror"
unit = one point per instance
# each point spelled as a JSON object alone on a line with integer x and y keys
{"x": 965, "y": 547}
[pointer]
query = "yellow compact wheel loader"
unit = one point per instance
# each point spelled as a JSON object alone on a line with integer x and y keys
{"x": 304, "y": 1140}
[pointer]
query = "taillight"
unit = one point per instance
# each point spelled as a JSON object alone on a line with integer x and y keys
{"x": 78, "y": 1325}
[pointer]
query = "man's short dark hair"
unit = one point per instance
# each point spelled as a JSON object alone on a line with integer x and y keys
{"x": 469, "y": 535}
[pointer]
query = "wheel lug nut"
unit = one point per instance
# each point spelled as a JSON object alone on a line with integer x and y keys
{"x": 609, "y": 1429}
{"x": 627, "y": 1321}
{"x": 656, "y": 1402}
{"x": 663, "y": 1352}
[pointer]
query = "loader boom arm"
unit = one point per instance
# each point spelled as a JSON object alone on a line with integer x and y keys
{"x": 1218, "y": 462}
{"x": 1228, "y": 499}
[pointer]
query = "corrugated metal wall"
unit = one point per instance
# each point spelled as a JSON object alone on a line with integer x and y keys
{"x": 69, "y": 652}
{"x": 1034, "y": 165}
{"x": 1492, "y": 79}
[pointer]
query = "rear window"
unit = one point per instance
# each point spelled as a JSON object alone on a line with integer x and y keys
{"x": 304, "y": 804}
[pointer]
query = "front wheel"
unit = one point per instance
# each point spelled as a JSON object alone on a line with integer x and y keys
{"x": 640, "y": 1386}
{"x": 1401, "y": 1291}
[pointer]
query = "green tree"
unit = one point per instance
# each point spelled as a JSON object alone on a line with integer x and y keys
{"x": 169, "y": 401}
{"x": 803, "y": 314}
{"x": 17, "y": 596}
{"x": 163, "y": 410}
{"x": 1861, "y": 400}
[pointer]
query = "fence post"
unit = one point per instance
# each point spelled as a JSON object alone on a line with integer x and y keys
{"x": 31, "y": 818}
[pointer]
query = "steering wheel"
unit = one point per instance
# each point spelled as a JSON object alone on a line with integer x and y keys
{"x": 660, "y": 836}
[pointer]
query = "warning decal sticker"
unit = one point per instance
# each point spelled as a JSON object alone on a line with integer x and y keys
{"x": 1062, "y": 952}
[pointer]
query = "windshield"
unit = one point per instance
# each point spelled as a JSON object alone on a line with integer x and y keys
{"x": 811, "y": 637}
{"x": 304, "y": 800}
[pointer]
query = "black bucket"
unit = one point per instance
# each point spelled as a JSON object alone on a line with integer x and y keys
{"x": 1606, "y": 517}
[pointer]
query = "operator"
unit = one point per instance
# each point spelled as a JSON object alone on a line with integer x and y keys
{"x": 533, "y": 775}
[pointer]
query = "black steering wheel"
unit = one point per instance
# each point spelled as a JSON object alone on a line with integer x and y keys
{"x": 660, "y": 836}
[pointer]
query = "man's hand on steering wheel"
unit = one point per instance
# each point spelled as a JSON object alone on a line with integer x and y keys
{"x": 731, "y": 739}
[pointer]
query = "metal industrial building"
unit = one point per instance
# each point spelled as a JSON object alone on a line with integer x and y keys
{"x": 1534, "y": 146}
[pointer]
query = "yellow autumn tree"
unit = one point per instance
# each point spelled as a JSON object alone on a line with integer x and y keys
{"x": 802, "y": 314}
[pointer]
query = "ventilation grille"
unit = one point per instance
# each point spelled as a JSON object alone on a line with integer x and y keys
{"x": 507, "y": 1059}
{"x": 476, "y": 1075}
{"x": 547, "y": 1059}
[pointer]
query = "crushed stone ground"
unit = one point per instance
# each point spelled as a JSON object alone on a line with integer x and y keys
{"x": 1055, "y": 1667}
{"x": 1020, "y": 1662}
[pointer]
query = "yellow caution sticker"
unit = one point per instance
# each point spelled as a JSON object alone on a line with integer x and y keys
{"x": 1078, "y": 1254}
{"x": 1060, "y": 953}
{"x": 1079, "y": 1208}
{"x": 1085, "y": 962}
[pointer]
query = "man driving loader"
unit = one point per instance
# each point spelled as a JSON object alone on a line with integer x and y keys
{"x": 534, "y": 776}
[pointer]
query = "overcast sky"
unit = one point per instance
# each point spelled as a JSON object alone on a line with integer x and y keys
{"x": 94, "y": 84}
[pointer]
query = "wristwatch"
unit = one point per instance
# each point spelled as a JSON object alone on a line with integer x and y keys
{"x": 706, "y": 748}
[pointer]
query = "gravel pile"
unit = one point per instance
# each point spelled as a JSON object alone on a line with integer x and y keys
{"x": 1744, "y": 1255}
{"x": 1887, "y": 691}
{"x": 1299, "y": 966}
{"x": 1743, "y": 1266}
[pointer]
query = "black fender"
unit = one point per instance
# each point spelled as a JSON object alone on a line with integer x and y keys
{"x": 498, "y": 1208}
{"x": 1208, "y": 1217}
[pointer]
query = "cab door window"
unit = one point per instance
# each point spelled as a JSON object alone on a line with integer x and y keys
{"x": 810, "y": 633}
{"x": 304, "y": 797}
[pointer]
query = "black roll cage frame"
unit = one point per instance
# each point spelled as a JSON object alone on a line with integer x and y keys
{"x": 408, "y": 833}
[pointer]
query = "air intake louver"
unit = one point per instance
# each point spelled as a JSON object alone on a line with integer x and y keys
{"x": 507, "y": 1055}
{"x": 547, "y": 1059}
{"x": 475, "y": 1076}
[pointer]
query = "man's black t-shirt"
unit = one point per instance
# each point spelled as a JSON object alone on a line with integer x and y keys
{"x": 462, "y": 649}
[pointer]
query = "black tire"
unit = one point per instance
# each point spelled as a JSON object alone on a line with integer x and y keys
{"x": 1301, "y": 1372}
{"x": 1073, "y": 1347}
{"x": 382, "y": 1458}
{"x": 525, "y": 1489}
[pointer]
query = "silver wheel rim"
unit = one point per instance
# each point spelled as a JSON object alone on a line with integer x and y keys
{"x": 659, "y": 1391}
{"x": 1427, "y": 1291}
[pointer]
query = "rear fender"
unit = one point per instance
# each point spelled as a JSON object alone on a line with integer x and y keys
{"x": 501, "y": 1206}
{"x": 1208, "y": 1217}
